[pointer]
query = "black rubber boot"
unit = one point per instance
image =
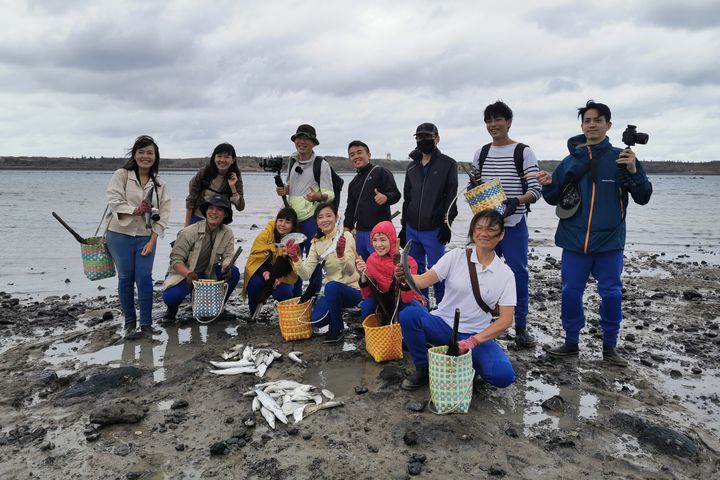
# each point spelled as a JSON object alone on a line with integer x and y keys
{"x": 611, "y": 357}
{"x": 419, "y": 378}
{"x": 564, "y": 350}
{"x": 523, "y": 339}
{"x": 150, "y": 330}
{"x": 334, "y": 337}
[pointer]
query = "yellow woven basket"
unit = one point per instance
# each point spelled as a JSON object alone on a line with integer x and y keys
{"x": 382, "y": 342}
{"x": 294, "y": 319}
{"x": 489, "y": 195}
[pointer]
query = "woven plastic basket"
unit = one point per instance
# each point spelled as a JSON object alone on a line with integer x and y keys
{"x": 451, "y": 381}
{"x": 382, "y": 342}
{"x": 294, "y": 319}
{"x": 208, "y": 298}
{"x": 489, "y": 195}
{"x": 97, "y": 262}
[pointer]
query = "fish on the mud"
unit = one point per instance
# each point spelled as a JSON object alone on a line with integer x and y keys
{"x": 261, "y": 369}
{"x": 256, "y": 404}
{"x": 310, "y": 408}
{"x": 239, "y": 363}
{"x": 269, "y": 417}
{"x": 234, "y": 370}
{"x": 295, "y": 356}
{"x": 330, "y": 395}
{"x": 271, "y": 405}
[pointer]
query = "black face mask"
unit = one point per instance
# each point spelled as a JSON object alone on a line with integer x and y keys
{"x": 426, "y": 145}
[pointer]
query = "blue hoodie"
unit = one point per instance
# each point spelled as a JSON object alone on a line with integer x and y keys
{"x": 599, "y": 224}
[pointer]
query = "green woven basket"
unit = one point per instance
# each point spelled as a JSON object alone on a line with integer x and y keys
{"x": 451, "y": 381}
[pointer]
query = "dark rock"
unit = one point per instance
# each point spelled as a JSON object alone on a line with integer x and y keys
{"x": 108, "y": 315}
{"x": 219, "y": 448}
{"x": 249, "y": 422}
{"x": 242, "y": 433}
{"x": 697, "y": 370}
{"x": 418, "y": 457}
{"x": 555, "y": 403}
{"x": 117, "y": 411}
{"x": 692, "y": 295}
{"x": 133, "y": 475}
{"x": 360, "y": 389}
{"x": 628, "y": 423}
{"x": 122, "y": 450}
{"x": 410, "y": 438}
{"x": 47, "y": 446}
{"x": 180, "y": 447}
{"x": 102, "y": 382}
{"x": 229, "y": 420}
{"x": 675, "y": 373}
{"x": 293, "y": 431}
{"x": 496, "y": 472}
{"x": 372, "y": 448}
{"x": 307, "y": 436}
{"x": 630, "y": 337}
{"x": 391, "y": 375}
{"x": 646, "y": 362}
{"x": 512, "y": 431}
{"x": 179, "y": 404}
{"x": 92, "y": 437}
{"x": 44, "y": 377}
{"x": 668, "y": 441}
{"x": 657, "y": 296}
{"x": 414, "y": 468}
{"x": 415, "y": 406}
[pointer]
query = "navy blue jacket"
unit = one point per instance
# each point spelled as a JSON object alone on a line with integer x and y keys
{"x": 599, "y": 224}
{"x": 427, "y": 199}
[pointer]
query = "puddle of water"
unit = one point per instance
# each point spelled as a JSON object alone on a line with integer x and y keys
{"x": 164, "y": 405}
{"x": 341, "y": 377}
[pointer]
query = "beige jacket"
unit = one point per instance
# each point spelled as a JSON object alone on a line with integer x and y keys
{"x": 336, "y": 269}
{"x": 124, "y": 194}
{"x": 187, "y": 250}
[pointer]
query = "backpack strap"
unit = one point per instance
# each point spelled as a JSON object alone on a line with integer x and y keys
{"x": 474, "y": 282}
{"x": 519, "y": 159}
{"x": 481, "y": 159}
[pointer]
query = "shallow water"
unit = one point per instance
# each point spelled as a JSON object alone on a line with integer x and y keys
{"x": 38, "y": 255}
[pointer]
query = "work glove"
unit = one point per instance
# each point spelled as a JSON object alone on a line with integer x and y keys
{"x": 401, "y": 236}
{"x": 293, "y": 250}
{"x": 511, "y": 205}
{"x": 340, "y": 247}
{"x": 399, "y": 274}
{"x": 467, "y": 344}
{"x": 190, "y": 278}
{"x": 142, "y": 209}
{"x": 444, "y": 234}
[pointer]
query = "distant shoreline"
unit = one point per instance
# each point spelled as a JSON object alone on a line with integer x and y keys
{"x": 251, "y": 164}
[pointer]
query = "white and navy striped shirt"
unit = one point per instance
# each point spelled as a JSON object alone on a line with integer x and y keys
{"x": 500, "y": 163}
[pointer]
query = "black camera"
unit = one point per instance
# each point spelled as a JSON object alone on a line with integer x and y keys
{"x": 271, "y": 164}
{"x": 631, "y": 136}
{"x": 155, "y": 215}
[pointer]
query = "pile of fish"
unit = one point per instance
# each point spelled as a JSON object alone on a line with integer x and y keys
{"x": 286, "y": 398}
{"x": 248, "y": 359}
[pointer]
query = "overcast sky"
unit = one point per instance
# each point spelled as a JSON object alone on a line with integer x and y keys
{"x": 85, "y": 77}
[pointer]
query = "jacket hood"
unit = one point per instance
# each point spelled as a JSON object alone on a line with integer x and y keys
{"x": 577, "y": 141}
{"x": 387, "y": 228}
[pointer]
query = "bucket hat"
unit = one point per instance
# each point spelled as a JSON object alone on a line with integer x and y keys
{"x": 306, "y": 130}
{"x": 569, "y": 202}
{"x": 220, "y": 201}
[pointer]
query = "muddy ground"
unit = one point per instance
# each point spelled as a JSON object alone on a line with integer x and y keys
{"x": 63, "y": 361}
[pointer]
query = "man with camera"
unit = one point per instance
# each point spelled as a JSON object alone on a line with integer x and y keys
{"x": 303, "y": 191}
{"x": 591, "y": 188}
{"x": 510, "y": 162}
{"x": 370, "y": 194}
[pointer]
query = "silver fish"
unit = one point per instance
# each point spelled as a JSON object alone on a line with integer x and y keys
{"x": 269, "y": 359}
{"x": 256, "y": 404}
{"x": 237, "y": 348}
{"x": 259, "y": 359}
{"x": 295, "y": 236}
{"x": 289, "y": 408}
{"x": 317, "y": 399}
{"x": 310, "y": 409}
{"x": 406, "y": 268}
{"x": 247, "y": 353}
{"x": 239, "y": 363}
{"x": 271, "y": 405}
{"x": 261, "y": 370}
{"x": 269, "y": 417}
{"x": 234, "y": 370}
{"x": 330, "y": 395}
{"x": 295, "y": 357}
{"x": 279, "y": 385}
{"x": 276, "y": 354}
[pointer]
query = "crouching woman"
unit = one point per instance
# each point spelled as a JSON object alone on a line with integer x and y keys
{"x": 202, "y": 250}
{"x": 476, "y": 332}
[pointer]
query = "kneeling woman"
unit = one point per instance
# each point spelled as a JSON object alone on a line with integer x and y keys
{"x": 379, "y": 269}
{"x": 339, "y": 272}
{"x": 476, "y": 332}
{"x": 202, "y": 250}
{"x": 265, "y": 259}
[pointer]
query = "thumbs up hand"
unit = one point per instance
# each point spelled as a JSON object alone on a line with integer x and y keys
{"x": 380, "y": 199}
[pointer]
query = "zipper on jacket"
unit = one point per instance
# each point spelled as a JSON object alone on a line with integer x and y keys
{"x": 592, "y": 205}
{"x": 422, "y": 191}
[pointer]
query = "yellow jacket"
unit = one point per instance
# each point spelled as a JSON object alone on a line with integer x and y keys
{"x": 336, "y": 269}
{"x": 262, "y": 247}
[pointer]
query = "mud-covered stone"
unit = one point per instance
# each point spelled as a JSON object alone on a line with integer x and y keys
{"x": 117, "y": 411}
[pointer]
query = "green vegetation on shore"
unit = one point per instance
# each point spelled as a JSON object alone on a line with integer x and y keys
{"x": 341, "y": 164}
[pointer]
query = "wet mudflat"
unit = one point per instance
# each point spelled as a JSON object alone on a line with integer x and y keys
{"x": 76, "y": 401}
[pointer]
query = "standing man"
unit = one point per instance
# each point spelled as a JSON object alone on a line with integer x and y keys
{"x": 511, "y": 162}
{"x": 590, "y": 188}
{"x": 370, "y": 195}
{"x": 429, "y": 191}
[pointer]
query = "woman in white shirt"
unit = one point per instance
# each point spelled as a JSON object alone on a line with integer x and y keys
{"x": 476, "y": 332}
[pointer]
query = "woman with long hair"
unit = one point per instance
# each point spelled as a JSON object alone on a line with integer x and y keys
{"x": 139, "y": 210}
{"x": 221, "y": 176}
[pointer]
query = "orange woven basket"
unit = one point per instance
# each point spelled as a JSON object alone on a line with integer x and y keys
{"x": 294, "y": 319}
{"x": 382, "y": 342}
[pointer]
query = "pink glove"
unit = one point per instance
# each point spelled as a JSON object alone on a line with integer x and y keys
{"x": 467, "y": 344}
{"x": 142, "y": 209}
{"x": 399, "y": 273}
{"x": 293, "y": 250}
{"x": 340, "y": 248}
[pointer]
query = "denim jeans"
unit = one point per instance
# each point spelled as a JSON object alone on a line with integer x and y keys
{"x": 133, "y": 269}
{"x": 426, "y": 249}
{"x": 174, "y": 296}
{"x": 328, "y": 308}
{"x": 284, "y": 291}
{"x": 420, "y": 327}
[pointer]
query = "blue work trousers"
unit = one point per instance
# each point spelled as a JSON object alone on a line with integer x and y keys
{"x": 369, "y": 305}
{"x": 426, "y": 249}
{"x": 606, "y": 268}
{"x": 328, "y": 308}
{"x": 284, "y": 291}
{"x": 174, "y": 296}
{"x": 514, "y": 249}
{"x": 133, "y": 269}
{"x": 420, "y": 327}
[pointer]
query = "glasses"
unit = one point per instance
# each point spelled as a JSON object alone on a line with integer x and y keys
{"x": 493, "y": 232}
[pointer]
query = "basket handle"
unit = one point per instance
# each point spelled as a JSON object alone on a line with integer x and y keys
{"x": 222, "y": 307}
{"x": 309, "y": 304}
{"x": 454, "y": 409}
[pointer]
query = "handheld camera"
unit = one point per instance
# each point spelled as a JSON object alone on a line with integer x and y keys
{"x": 271, "y": 164}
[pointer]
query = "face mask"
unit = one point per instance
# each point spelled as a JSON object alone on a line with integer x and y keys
{"x": 426, "y": 146}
